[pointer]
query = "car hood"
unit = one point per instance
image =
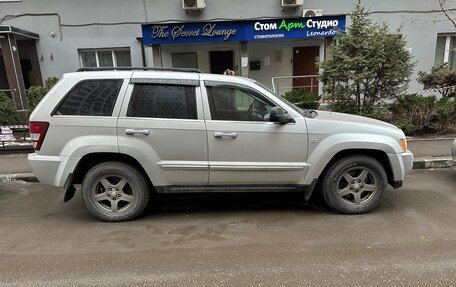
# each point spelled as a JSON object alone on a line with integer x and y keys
{"x": 331, "y": 122}
{"x": 348, "y": 118}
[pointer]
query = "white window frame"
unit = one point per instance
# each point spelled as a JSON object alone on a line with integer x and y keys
{"x": 446, "y": 54}
{"x": 113, "y": 54}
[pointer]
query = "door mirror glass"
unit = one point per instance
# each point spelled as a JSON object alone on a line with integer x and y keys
{"x": 279, "y": 115}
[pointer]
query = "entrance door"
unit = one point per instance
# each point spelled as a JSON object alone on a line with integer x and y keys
{"x": 221, "y": 60}
{"x": 26, "y": 67}
{"x": 305, "y": 64}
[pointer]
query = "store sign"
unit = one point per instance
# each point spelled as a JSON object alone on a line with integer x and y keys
{"x": 233, "y": 31}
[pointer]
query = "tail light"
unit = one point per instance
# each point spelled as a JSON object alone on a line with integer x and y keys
{"x": 37, "y": 133}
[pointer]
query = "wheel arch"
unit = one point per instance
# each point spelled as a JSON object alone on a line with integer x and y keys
{"x": 90, "y": 160}
{"x": 378, "y": 155}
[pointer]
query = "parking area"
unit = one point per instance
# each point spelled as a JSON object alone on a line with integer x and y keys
{"x": 261, "y": 239}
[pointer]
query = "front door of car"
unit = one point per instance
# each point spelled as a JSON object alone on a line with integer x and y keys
{"x": 161, "y": 125}
{"x": 245, "y": 148}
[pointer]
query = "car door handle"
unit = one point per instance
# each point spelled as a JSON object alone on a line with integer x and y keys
{"x": 227, "y": 135}
{"x": 131, "y": 132}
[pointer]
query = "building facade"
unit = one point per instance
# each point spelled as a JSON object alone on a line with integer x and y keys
{"x": 256, "y": 38}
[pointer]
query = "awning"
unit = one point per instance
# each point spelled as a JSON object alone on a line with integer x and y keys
{"x": 19, "y": 33}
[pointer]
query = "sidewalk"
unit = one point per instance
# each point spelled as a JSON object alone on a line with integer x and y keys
{"x": 430, "y": 147}
{"x": 429, "y": 153}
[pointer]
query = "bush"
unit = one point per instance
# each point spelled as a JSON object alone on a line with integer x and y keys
{"x": 50, "y": 82}
{"x": 419, "y": 114}
{"x": 440, "y": 77}
{"x": 36, "y": 93}
{"x": 8, "y": 114}
{"x": 445, "y": 118}
{"x": 303, "y": 99}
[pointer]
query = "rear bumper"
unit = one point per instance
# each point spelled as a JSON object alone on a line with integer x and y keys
{"x": 401, "y": 164}
{"x": 52, "y": 170}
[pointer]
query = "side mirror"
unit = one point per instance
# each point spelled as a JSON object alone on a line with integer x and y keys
{"x": 279, "y": 115}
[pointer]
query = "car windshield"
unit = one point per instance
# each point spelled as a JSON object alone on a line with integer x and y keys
{"x": 304, "y": 112}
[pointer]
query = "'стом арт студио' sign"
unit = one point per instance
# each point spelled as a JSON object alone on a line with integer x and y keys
{"x": 250, "y": 30}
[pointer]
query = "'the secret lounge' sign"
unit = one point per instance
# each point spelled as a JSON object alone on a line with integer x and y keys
{"x": 232, "y": 31}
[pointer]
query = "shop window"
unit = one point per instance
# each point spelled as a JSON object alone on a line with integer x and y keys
{"x": 234, "y": 104}
{"x": 105, "y": 58}
{"x": 163, "y": 101}
{"x": 184, "y": 60}
{"x": 91, "y": 98}
{"x": 445, "y": 51}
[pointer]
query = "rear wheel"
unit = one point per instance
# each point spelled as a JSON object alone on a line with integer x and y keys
{"x": 115, "y": 191}
{"x": 354, "y": 185}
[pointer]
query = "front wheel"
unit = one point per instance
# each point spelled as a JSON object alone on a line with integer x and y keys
{"x": 115, "y": 191}
{"x": 354, "y": 185}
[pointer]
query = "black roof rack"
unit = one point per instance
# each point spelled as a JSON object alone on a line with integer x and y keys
{"x": 165, "y": 69}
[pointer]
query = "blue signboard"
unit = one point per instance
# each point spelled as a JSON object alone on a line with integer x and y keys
{"x": 251, "y": 30}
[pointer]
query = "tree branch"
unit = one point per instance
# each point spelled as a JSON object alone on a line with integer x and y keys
{"x": 442, "y": 4}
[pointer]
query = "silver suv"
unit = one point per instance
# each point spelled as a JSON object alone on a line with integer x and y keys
{"x": 124, "y": 134}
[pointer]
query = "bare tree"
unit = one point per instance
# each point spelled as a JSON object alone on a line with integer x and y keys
{"x": 449, "y": 12}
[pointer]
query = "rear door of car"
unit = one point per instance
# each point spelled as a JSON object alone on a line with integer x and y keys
{"x": 161, "y": 124}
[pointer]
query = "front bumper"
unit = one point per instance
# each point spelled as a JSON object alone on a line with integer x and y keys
{"x": 401, "y": 164}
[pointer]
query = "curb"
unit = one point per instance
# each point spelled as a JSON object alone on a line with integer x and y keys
{"x": 418, "y": 163}
{"x": 27, "y": 177}
{"x": 433, "y": 162}
{"x": 17, "y": 149}
{"x": 429, "y": 139}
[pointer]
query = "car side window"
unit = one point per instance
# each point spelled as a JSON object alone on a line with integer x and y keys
{"x": 163, "y": 101}
{"x": 235, "y": 104}
{"x": 91, "y": 98}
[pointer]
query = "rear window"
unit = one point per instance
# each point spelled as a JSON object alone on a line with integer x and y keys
{"x": 163, "y": 101}
{"x": 91, "y": 98}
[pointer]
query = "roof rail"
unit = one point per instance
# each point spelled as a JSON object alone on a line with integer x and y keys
{"x": 165, "y": 69}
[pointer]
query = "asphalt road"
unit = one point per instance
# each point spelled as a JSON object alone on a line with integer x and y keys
{"x": 257, "y": 239}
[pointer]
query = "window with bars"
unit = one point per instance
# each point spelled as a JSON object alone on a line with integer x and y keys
{"x": 105, "y": 58}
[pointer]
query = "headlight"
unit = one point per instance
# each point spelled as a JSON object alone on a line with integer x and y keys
{"x": 403, "y": 143}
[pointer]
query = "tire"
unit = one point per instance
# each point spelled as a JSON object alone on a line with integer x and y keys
{"x": 114, "y": 191}
{"x": 354, "y": 185}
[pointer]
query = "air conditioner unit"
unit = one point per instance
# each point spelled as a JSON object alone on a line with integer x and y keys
{"x": 312, "y": 13}
{"x": 193, "y": 4}
{"x": 291, "y": 3}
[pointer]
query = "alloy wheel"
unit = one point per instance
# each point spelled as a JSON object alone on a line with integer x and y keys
{"x": 357, "y": 185}
{"x": 113, "y": 193}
